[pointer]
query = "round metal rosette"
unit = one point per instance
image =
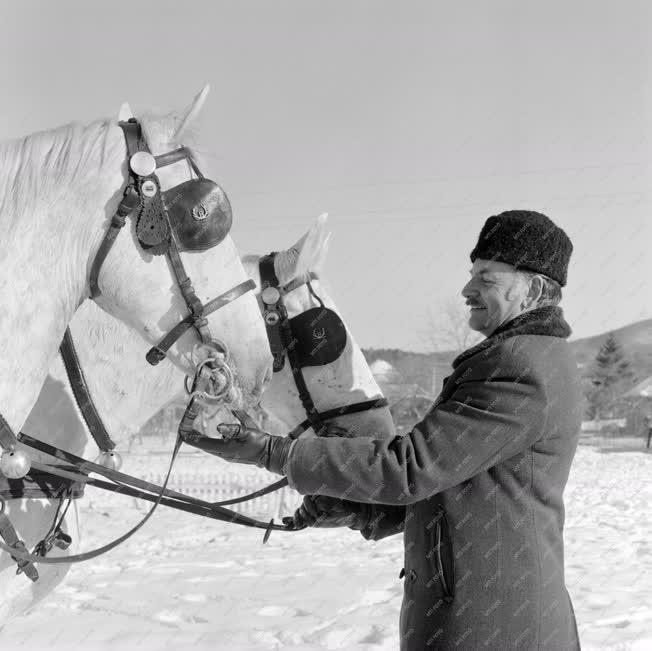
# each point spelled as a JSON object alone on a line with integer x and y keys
{"x": 148, "y": 188}
{"x": 270, "y": 295}
{"x": 14, "y": 464}
{"x": 109, "y": 459}
{"x": 142, "y": 163}
{"x": 272, "y": 318}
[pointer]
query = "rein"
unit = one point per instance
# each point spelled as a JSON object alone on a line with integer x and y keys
{"x": 127, "y": 485}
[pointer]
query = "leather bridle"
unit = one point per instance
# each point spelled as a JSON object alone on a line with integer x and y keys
{"x": 143, "y": 190}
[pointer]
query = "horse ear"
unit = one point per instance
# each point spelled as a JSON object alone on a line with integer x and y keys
{"x": 322, "y": 254}
{"x": 306, "y": 255}
{"x": 125, "y": 112}
{"x": 192, "y": 112}
{"x": 315, "y": 245}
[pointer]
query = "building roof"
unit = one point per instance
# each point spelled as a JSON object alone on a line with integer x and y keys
{"x": 384, "y": 372}
{"x": 642, "y": 390}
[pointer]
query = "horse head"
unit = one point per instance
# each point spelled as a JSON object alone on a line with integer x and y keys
{"x": 146, "y": 290}
{"x": 340, "y": 376}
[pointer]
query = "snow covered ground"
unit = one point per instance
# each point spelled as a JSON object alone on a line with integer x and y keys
{"x": 184, "y": 582}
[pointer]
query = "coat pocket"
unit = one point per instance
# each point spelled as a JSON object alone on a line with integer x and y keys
{"x": 443, "y": 557}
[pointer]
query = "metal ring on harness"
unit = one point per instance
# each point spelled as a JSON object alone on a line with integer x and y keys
{"x": 219, "y": 367}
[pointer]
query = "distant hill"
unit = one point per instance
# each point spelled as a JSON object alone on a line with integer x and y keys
{"x": 423, "y": 368}
{"x": 636, "y": 342}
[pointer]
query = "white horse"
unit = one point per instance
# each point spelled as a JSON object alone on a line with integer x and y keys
{"x": 116, "y": 375}
{"x": 58, "y": 192}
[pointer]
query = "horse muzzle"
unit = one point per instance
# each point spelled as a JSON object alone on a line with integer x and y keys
{"x": 214, "y": 379}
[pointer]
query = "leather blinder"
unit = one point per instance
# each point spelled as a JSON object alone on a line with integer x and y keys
{"x": 318, "y": 336}
{"x": 199, "y": 213}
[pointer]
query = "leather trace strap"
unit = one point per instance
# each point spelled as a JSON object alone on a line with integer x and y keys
{"x": 82, "y": 394}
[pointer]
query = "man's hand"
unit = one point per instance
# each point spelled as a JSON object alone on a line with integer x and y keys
{"x": 245, "y": 443}
{"x": 324, "y": 511}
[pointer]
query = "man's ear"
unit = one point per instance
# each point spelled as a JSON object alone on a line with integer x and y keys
{"x": 535, "y": 289}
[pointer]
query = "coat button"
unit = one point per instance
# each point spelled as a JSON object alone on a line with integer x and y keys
{"x": 410, "y": 575}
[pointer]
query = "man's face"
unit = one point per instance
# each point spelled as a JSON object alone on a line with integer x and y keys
{"x": 495, "y": 294}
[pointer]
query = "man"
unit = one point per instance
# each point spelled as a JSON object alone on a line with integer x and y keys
{"x": 476, "y": 487}
{"x": 647, "y": 424}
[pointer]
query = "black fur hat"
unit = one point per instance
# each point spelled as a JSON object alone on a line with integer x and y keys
{"x": 528, "y": 240}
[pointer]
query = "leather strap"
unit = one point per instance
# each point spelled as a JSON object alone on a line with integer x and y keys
{"x": 8, "y": 439}
{"x": 82, "y": 394}
{"x": 280, "y": 339}
{"x": 130, "y": 201}
{"x": 24, "y": 555}
{"x": 267, "y": 271}
{"x": 296, "y": 433}
{"x": 14, "y": 545}
{"x": 158, "y": 352}
{"x": 277, "y": 311}
{"x": 195, "y": 306}
{"x": 174, "y": 156}
{"x": 183, "y": 502}
{"x": 84, "y": 466}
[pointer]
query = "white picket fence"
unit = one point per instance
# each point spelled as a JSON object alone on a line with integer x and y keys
{"x": 607, "y": 423}
{"x": 224, "y": 485}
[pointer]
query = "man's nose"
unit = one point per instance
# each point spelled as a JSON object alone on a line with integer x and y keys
{"x": 468, "y": 289}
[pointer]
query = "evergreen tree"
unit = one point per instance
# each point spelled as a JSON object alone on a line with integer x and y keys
{"x": 611, "y": 373}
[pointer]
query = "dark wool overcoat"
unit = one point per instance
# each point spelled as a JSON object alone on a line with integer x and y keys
{"x": 477, "y": 489}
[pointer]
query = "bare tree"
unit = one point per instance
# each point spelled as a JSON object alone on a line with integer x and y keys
{"x": 447, "y": 327}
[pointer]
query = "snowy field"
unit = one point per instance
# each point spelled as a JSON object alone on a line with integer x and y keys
{"x": 184, "y": 582}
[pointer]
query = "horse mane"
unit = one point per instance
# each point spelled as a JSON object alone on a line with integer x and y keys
{"x": 40, "y": 168}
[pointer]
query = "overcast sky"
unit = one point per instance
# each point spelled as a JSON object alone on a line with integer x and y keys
{"x": 409, "y": 122}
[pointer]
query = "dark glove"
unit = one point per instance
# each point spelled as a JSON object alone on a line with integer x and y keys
{"x": 324, "y": 511}
{"x": 245, "y": 443}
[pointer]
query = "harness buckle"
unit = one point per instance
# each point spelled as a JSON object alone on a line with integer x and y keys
{"x": 24, "y": 566}
{"x": 130, "y": 201}
{"x": 155, "y": 355}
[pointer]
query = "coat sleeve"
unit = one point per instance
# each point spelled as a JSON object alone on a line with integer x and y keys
{"x": 496, "y": 410}
{"x": 385, "y": 521}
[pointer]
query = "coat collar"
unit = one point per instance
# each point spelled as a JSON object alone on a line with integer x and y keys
{"x": 548, "y": 320}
